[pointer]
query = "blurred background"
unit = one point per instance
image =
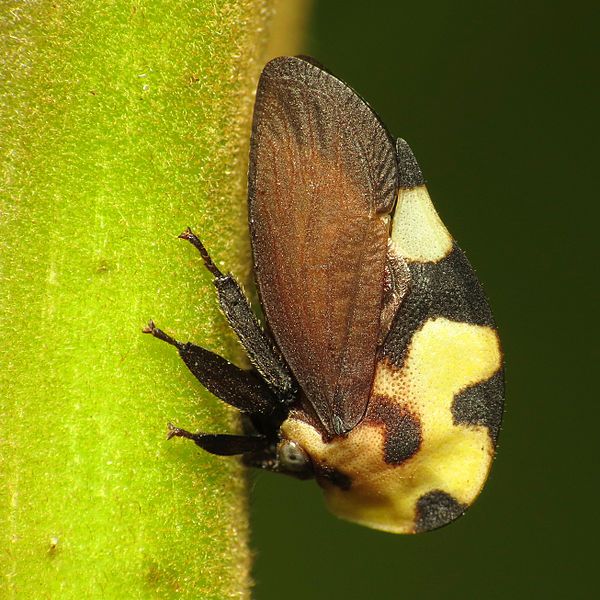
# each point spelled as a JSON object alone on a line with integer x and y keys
{"x": 498, "y": 102}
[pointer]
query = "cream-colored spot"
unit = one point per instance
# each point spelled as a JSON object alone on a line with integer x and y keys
{"x": 444, "y": 357}
{"x": 418, "y": 233}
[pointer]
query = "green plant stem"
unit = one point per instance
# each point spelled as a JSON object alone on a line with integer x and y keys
{"x": 122, "y": 123}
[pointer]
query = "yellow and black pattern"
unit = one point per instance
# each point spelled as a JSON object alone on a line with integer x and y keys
{"x": 396, "y": 464}
{"x": 423, "y": 450}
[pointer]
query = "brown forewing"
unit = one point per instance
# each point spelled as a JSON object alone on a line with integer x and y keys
{"x": 322, "y": 180}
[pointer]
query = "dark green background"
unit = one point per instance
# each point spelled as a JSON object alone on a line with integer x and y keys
{"x": 497, "y": 101}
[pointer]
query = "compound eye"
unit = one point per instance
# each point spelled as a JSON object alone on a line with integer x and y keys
{"x": 292, "y": 457}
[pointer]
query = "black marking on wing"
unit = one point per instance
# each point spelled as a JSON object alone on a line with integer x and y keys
{"x": 481, "y": 404}
{"x": 402, "y": 435}
{"x": 449, "y": 289}
{"x": 435, "y": 509}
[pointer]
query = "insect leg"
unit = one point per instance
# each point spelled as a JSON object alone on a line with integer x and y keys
{"x": 220, "y": 443}
{"x": 260, "y": 347}
{"x": 241, "y": 389}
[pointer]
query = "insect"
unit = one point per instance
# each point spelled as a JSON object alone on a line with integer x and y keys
{"x": 379, "y": 370}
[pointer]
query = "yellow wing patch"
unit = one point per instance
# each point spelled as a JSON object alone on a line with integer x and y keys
{"x": 418, "y": 233}
{"x": 443, "y": 358}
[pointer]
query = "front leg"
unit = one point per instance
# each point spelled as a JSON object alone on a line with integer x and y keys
{"x": 261, "y": 349}
{"x": 221, "y": 444}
